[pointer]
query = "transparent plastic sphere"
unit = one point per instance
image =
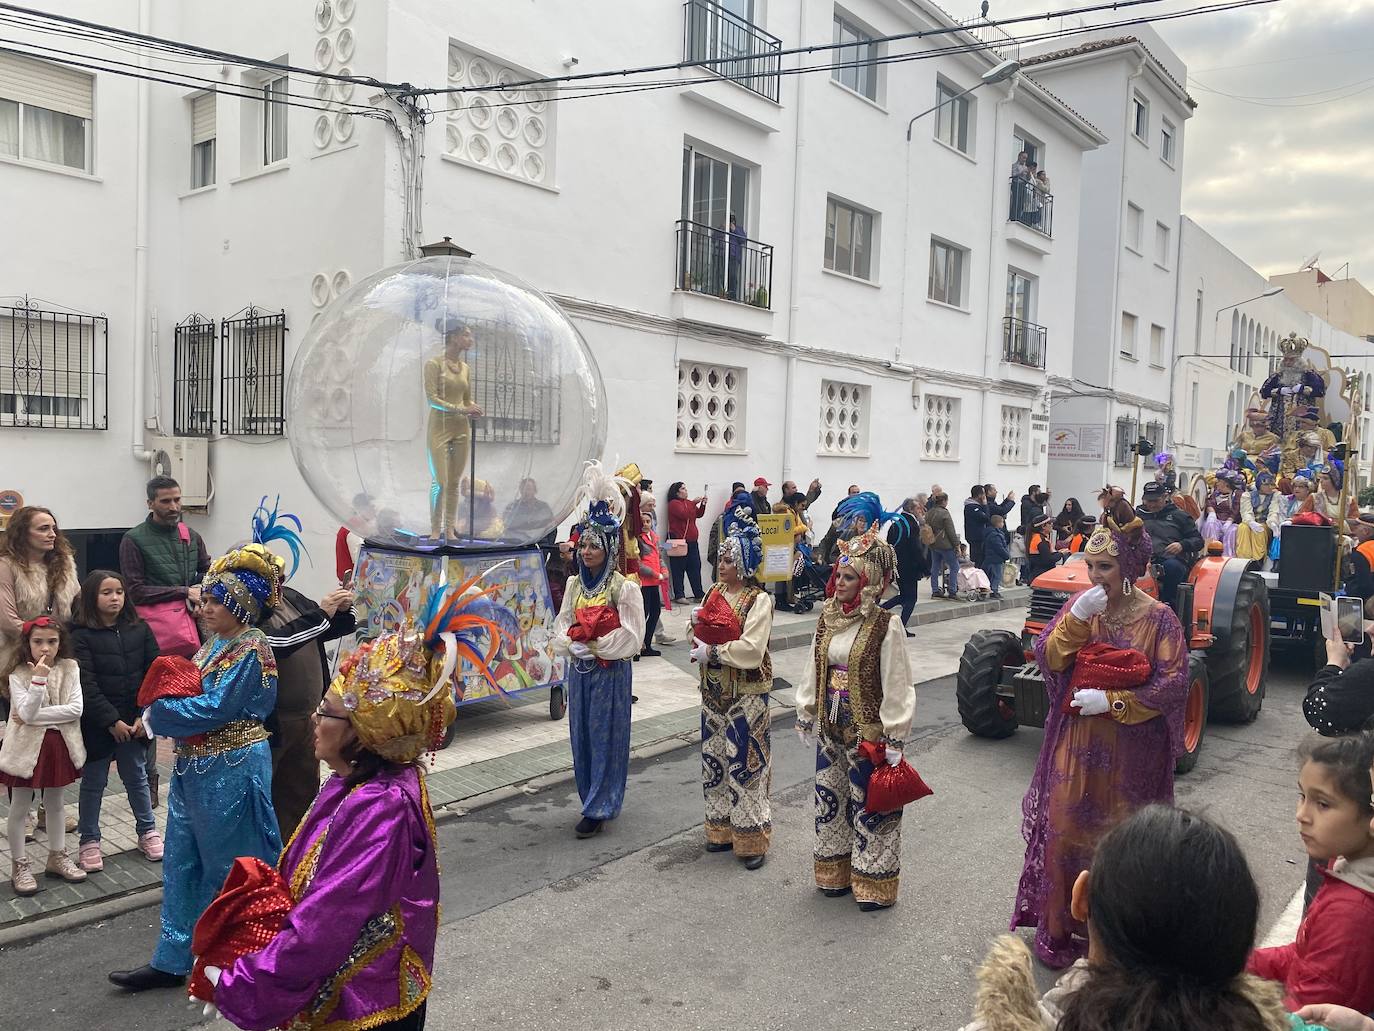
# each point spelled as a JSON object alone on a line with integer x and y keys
{"x": 432, "y": 376}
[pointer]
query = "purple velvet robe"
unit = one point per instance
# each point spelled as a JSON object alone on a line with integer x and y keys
{"x": 1092, "y": 773}
{"x": 359, "y": 941}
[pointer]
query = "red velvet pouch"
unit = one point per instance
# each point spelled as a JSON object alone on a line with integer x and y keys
{"x": 890, "y": 787}
{"x": 170, "y": 676}
{"x": 593, "y": 622}
{"x": 1107, "y": 668}
{"x": 716, "y": 622}
{"x": 243, "y": 919}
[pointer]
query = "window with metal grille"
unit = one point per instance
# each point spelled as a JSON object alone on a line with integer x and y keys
{"x": 253, "y": 373}
{"x": 710, "y": 407}
{"x": 53, "y": 368}
{"x": 1015, "y": 434}
{"x": 843, "y": 424}
{"x": 193, "y": 377}
{"x": 1154, "y": 433}
{"x": 1125, "y": 438}
{"x": 941, "y": 437}
{"x": 515, "y": 381}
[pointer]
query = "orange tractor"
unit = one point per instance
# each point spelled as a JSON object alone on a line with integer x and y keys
{"x": 1224, "y": 609}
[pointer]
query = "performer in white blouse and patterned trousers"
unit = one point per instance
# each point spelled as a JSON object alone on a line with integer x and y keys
{"x": 736, "y": 678}
{"x": 858, "y": 687}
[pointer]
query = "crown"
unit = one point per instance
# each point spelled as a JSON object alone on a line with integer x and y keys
{"x": 1293, "y": 344}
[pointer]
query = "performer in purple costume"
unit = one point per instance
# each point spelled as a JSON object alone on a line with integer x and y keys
{"x": 356, "y": 949}
{"x": 1093, "y": 773}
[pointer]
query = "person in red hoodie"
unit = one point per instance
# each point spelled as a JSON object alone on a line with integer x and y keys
{"x": 1332, "y": 960}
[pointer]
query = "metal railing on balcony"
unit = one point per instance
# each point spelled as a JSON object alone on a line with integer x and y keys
{"x": 1023, "y": 342}
{"x": 732, "y": 47}
{"x": 1031, "y": 205}
{"x": 53, "y": 368}
{"x": 724, "y": 264}
{"x": 1006, "y": 46}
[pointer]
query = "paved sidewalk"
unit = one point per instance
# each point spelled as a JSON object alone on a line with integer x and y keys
{"x": 501, "y": 748}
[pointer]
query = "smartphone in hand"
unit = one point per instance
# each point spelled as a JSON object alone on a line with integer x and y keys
{"x": 1350, "y": 619}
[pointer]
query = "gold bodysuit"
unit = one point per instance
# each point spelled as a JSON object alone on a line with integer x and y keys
{"x": 448, "y": 389}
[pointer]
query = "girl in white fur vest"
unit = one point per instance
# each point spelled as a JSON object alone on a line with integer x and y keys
{"x": 42, "y": 750}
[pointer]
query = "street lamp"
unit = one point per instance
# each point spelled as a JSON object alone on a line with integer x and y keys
{"x": 1000, "y": 73}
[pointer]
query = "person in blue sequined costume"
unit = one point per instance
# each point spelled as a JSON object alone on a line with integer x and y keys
{"x": 220, "y": 803}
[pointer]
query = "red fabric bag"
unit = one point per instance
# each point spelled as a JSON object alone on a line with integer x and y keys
{"x": 716, "y": 622}
{"x": 593, "y": 622}
{"x": 1107, "y": 668}
{"x": 1310, "y": 519}
{"x": 243, "y": 919}
{"x": 890, "y": 787}
{"x": 170, "y": 676}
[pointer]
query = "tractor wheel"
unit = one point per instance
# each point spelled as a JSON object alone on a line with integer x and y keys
{"x": 1238, "y": 670}
{"x": 980, "y": 673}
{"x": 1194, "y": 713}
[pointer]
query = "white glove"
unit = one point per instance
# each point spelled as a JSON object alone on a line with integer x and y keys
{"x": 1089, "y": 701}
{"x": 148, "y": 722}
{"x": 701, "y": 651}
{"x": 894, "y": 757}
{"x": 1089, "y": 603}
{"x": 580, "y": 650}
{"x": 210, "y": 1011}
{"x": 692, "y": 619}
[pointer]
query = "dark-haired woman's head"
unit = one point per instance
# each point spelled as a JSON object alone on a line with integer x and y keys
{"x": 675, "y": 491}
{"x": 105, "y": 601}
{"x": 1171, "y": 908}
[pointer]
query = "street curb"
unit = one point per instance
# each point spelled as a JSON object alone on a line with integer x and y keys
{"x": 42, "y": 925}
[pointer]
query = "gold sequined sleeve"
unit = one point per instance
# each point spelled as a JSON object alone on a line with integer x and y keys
{"x": 1068, "y": 636}
{"x": 1125, "y": 708}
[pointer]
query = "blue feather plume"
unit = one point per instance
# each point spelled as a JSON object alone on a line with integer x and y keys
{"x": 272, "y": 526}
{"x": 863, "y": 510}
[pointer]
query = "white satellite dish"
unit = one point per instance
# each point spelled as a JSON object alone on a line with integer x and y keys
{"x": 1310, "y": 262}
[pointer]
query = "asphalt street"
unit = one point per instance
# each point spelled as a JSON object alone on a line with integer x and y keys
{"x": 639, "y": 928}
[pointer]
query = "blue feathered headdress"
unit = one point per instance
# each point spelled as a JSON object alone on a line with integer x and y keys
{"x": 742, "y": 539}
{"x": 863, "y": 510}
{"x": 272, "y": 526}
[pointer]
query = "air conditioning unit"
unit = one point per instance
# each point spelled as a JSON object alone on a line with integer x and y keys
{"x": 186, "y": 460}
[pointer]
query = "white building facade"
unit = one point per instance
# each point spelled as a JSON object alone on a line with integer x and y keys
{"x": 1125, "y": 325}
{"x": 894, "y": 319}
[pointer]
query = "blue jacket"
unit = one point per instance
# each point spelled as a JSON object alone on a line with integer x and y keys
{"x": 996, "y": 545}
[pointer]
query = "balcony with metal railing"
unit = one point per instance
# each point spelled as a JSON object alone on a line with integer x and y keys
{"x": 1031, "y": 205}
{"x": 1023, "y": 343}
{"x": 732, "y": 47}
{"x": 719, "y": 263}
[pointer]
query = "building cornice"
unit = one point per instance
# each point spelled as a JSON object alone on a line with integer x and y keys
{"x": 1063, "y": 385}
{"x": 642, "y": 321}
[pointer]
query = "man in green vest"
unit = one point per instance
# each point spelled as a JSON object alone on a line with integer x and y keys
{"x": 158, "y": 561}
{"x": 163, "y": 560}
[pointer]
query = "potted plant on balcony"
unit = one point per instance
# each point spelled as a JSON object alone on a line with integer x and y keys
{"x": 758, "y": 296}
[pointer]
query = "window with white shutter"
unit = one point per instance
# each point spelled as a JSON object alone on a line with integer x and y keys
{"x": 46, "y": 111}
{"x": 52, "y": 368}
{"x": 203, "y": 138}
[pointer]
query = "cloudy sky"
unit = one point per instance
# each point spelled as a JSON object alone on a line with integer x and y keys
{"x": 1289, "y": 170}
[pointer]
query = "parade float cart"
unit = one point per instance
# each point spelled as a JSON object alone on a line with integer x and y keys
{"x": 443, "y": 412}
{"x": 393, "y": 584}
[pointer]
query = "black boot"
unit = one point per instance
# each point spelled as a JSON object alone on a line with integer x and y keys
{"x": 586, "y": 827}
{"x": 836, "y": 893}
{"x": 753, "y": 862}
{"x": 145, "y": 977}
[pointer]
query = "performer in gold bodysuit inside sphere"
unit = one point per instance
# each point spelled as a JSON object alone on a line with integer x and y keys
{"x": 448, "y": 389}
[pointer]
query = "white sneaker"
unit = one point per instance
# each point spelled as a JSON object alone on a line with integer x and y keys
{"x": 663, "y": 637}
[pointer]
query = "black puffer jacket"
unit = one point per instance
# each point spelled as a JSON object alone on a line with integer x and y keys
{"x": 113, "y": 661}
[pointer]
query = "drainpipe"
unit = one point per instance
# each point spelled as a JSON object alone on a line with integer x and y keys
{"x": 794, "y": 258}
{"x": 140, "y": 373}
{"x": 990, "y": 371}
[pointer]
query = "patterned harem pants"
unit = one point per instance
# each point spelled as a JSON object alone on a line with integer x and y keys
{"x": 853, "y": 848}
{"x": 736, "y": 773}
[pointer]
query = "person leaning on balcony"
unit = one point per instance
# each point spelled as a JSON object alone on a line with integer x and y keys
{"x": 738, "y": 237}
{"x": 1035, "y": 199}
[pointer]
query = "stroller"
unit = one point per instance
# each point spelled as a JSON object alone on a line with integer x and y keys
{"x": 809, "y": 579}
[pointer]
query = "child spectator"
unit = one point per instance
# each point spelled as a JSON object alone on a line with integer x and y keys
{"x": 1332, "y": 960}
{"x": 996, "y": 551}
{"x": 1171, "y": 909}
{"x": 114, "y": 648}
{"x": 42, "y": 750}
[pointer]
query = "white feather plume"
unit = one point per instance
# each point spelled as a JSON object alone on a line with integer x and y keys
{"x": 599, "y": 484}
